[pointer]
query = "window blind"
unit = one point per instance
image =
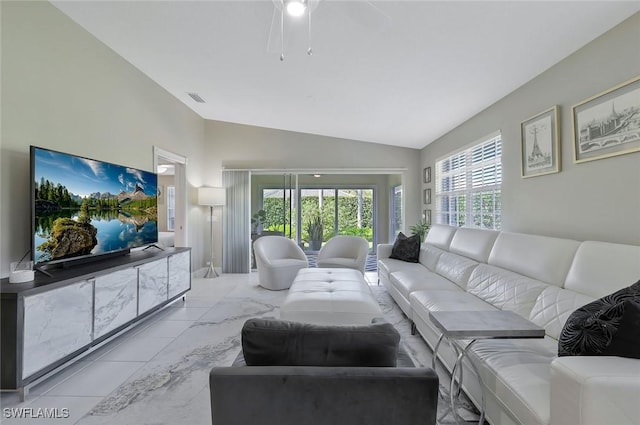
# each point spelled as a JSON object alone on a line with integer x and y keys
{"x": 468, "y": 186}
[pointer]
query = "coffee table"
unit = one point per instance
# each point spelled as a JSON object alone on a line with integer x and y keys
{"x": 474, "y": 325}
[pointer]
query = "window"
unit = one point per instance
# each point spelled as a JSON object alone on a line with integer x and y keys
{"x": 171, "y": 208}
{"x": 396, "y": 210}
{"x": 468, "y": 185}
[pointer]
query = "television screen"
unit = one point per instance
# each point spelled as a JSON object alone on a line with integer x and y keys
{"x": 83, "y": 207}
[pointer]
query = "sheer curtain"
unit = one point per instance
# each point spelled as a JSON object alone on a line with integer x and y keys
{"x": 236, "y": 234}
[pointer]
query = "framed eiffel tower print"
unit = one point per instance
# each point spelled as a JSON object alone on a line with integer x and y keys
{"x": 540, "y": 143}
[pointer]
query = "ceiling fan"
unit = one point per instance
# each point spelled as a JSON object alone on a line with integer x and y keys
{"x": 285, "y": 10}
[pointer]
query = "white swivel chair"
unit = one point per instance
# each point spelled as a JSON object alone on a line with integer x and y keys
{"x": 345, "y": 252}
{"x": 278, "y": 260}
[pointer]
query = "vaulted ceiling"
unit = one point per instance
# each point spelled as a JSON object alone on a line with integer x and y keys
{"x": 394, "y": 72}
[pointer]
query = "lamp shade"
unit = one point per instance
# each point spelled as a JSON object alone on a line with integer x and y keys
{"x": 211, "y": 196}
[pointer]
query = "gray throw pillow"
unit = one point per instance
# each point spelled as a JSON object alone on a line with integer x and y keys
{"x": 270, "y": 342}
{"x": 591, "y": 329}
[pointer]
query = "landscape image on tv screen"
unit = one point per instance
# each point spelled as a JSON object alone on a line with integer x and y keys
{"x": 83, "y": 207}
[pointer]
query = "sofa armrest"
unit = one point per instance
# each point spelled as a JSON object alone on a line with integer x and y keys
{"x": 293, "y": 395}
{"x": 595, "y": 390}
{"x": 384, "y": 250}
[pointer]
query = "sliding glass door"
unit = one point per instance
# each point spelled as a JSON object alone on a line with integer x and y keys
{"x": 310, "y": 212}
{"x": 279, "y": 206}
{"x": 329, "y": 211}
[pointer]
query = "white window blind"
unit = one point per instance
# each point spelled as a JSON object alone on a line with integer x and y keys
{"x": 468, "y": 186}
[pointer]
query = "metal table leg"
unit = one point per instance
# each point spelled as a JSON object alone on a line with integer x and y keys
{"x": 457, "y": 368}
{"x": 434, "y": 359}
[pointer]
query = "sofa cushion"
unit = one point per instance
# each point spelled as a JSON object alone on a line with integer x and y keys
{"x": 516, "y": 372}
{"x": 387, "y": 266}
{"x": 456, "y": 268}
{"x": 553, "y": 306}
{"x": 590, "y": 329}
{"x": 408, "y": 281}
{"x": 429, "y": 255}
{"x": 406, "y": 248}
{"x": 270, "y": 342}
{"x": 422, "y": 302}
{"x": 599, "y": 262}
{"x": 538, "y": 257}
{"x": 505, "y": 289}
{"x": 473, "y": 243}
{"x": 440, "y": 235}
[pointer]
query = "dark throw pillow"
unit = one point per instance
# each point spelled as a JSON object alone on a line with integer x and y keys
{"x": 270, "y": 342}
{"x": 406, "y": 248}
{"x": 625, "y": 341}
{"x": 593, "y": 328}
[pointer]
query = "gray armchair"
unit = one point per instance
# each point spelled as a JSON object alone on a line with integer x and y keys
{"x": 338, "y": 393}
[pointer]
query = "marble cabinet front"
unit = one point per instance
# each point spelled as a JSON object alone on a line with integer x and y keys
{"x": 116, "y": 300}
{"x": 56, "y": 323}
{"x": 152, "y": 284}
{"x": 179, "y": 273}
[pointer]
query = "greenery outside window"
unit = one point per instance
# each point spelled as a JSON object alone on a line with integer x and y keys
{"x": 468, "y": 185}
{"x": 338, "y": 210}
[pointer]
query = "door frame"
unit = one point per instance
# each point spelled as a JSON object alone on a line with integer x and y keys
{"x": 181, "y": 230}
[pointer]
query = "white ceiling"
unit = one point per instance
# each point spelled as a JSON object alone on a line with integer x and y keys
{"x": 394, "y": 72}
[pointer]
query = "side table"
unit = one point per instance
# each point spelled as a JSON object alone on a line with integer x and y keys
{"x": 474, "y": 325}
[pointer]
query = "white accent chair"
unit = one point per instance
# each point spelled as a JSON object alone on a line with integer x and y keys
{"x": 344, "y": 252}
{"x": 278, "y": 260}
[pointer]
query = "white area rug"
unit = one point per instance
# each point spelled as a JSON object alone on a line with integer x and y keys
{"x": 173, "y": 387}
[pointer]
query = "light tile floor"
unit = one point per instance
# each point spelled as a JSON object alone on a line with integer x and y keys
{"x": 83, "y": 384}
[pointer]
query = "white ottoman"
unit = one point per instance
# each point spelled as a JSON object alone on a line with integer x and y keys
{"x": 330, "y": 297}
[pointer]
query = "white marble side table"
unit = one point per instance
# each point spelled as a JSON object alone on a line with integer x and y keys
{"x": 474, "y": 325}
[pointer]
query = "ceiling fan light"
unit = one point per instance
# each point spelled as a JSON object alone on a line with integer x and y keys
{"x": 295, "y": 7}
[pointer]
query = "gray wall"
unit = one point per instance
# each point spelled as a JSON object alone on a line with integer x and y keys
{"x": 236, "y": 146}
{"x": 596, "y": 200}
{"x": 64, "y": 90}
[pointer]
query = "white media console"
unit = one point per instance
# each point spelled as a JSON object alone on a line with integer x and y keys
{"x": 50, "y": 321}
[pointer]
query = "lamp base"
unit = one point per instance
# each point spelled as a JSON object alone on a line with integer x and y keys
{"x": 211, "y": 272}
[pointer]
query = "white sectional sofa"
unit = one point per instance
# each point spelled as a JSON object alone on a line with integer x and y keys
{"x": 543, "y": 279}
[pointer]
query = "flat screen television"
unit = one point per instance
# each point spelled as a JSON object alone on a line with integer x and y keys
{"x": 83, "y": 208}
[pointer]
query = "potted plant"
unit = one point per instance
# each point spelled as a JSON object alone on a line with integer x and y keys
{"x": 422, "y": 228}
{"x": 258, "y": 219}
{"x": 315, "y": 229}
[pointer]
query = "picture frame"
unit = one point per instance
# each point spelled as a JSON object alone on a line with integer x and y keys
{"x": 540, "y": 144}
{"x": 426, "y": 215}
{"x": 607, "y": 124}
{"x": 427, "y": 175}
{"x": 426, "y": 196}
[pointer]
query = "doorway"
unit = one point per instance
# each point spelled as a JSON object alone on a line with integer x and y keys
{"x": 172, "y": 197}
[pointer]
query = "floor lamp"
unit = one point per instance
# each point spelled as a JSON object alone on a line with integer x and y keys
{"x": 211, "y": 197}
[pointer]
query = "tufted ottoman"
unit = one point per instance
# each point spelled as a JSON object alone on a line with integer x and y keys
{"x": 330, "y": 296}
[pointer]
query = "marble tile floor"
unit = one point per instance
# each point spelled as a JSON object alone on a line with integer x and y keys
{"x": 157, "y": 372}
